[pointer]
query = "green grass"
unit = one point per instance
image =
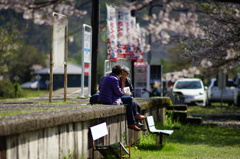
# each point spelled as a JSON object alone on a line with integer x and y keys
{"x": 211, "y": 110}
{"x": 189, "y": 141}
{"x": 27, "y": 93}
{"x": 33, "y": 93}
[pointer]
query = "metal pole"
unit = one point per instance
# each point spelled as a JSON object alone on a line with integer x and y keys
{"x": 90, "y": 71}
{"x": 51, "y": 77}
{"x": 82, "y": 75}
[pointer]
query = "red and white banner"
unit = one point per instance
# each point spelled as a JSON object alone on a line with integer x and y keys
{"x": 129, "y": 45}
{"x": 134, "y": 33}
{"x": 124, "y": 35}
{"x": 123, "y": 24}
{"x": 112, "y": 34}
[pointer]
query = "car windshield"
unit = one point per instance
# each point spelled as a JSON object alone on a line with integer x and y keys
{"x": 188, "y": 85}
{"x": 228, "y": 84}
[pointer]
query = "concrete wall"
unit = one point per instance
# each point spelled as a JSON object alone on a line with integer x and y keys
{"x": 63, "y": 133}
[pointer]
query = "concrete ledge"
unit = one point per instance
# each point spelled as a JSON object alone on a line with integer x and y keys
{"x": 55, "y": 134}
{"x": 28, "y": 122}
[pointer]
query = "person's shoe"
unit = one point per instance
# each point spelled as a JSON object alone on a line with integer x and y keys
{"x": 139, "y": 117}
{"x": 143, "y": 128}
{"x": 134, "y": 127}
{"x": 139, "y": 124}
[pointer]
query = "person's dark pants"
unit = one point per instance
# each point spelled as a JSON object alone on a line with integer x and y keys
{"x": 132, "y": 109}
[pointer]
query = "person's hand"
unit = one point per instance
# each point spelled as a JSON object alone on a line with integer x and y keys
{"x": 127, "y": 94}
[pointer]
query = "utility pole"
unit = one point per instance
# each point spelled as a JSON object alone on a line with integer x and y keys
{"x": 133, "y": 13}
{"x": 95, "y": 26}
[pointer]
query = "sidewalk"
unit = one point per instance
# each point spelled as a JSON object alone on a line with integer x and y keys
{"x": 72, "y": 92}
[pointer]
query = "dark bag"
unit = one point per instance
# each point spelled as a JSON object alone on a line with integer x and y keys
{"x": 94, "y": 99}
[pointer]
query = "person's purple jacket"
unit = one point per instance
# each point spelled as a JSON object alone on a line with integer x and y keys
{"x": 110, "y": 92}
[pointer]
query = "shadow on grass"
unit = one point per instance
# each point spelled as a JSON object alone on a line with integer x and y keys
{"x": 151, "y": 147}
{"x": 207, "y": 134}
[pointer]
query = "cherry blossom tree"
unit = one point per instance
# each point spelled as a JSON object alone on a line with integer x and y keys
{"x": 41, "y": 10}
{"x": 210, "y": 31}
{"x": 220, "y": 47}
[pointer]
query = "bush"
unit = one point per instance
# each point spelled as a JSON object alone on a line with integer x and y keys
{"x": 18, "y": 90}
{"x": 7, "y": 89}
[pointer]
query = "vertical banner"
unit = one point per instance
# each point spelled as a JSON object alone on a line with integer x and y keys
{"x": 58, "y": 39}
{"x": 112, "y": 34}
{"x": 129, "y": 45}
{"x": 124, "y": 35}
{"x": 142, "y": 44}
{"x": 86, "y": 57}
{"x": 121, "y": 31}
{"x": 133, "y": 39}
{"x": 139, "y": 50}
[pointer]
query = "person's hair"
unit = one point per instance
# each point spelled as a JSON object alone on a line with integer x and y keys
{"x": 126, "y": 69}
{"x": 117, "y": 70}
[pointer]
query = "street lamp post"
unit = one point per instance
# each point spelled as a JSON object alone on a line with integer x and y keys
{"x": 150, "y": 45}
{"x": 150, "y": 35}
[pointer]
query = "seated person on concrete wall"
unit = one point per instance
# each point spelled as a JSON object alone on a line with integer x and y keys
{"x": 110, "y": 93}
{"x": 154, "y": 92}
{"x": 125, "y": 82}
{"x": 127, "y": 87}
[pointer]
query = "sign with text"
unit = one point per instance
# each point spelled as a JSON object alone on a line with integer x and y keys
{"x": 87, "y": 44}
{"x": 59, "y": 41}
{"x": 86, "y": 57}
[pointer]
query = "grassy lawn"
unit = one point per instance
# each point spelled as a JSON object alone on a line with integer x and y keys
{"x": 189, "y": 141}
{"x": 27, "y": 93}
{"x": 212, "y": 110}
{"x": 33, "y": 93}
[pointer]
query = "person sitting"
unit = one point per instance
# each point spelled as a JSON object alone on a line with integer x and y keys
{"x": 109, "y": 90}
{"x": 124, "y": 83}
{"x": 110, "y": 93}
{"x": 154, "y": 92}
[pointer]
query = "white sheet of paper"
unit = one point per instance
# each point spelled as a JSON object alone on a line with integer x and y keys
{"x": 99, "y": 130}
{"x": 127, "y": 91}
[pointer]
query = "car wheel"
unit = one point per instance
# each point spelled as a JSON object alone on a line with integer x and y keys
{"x": 238, "y": 101}
{"x": 209, "y": 103}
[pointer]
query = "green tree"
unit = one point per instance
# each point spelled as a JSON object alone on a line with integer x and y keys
{"x": 9, "y": 38}
{"x": 6, "y": 89}
{"x": 177, "y": 62}
{"x": 22, "y": 64}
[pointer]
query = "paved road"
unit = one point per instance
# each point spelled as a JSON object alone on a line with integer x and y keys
{"x": 72, "y": 92}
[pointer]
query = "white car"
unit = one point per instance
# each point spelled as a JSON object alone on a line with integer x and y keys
{"x": 217, "y": 95}
{"x": 193, "y": 91}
